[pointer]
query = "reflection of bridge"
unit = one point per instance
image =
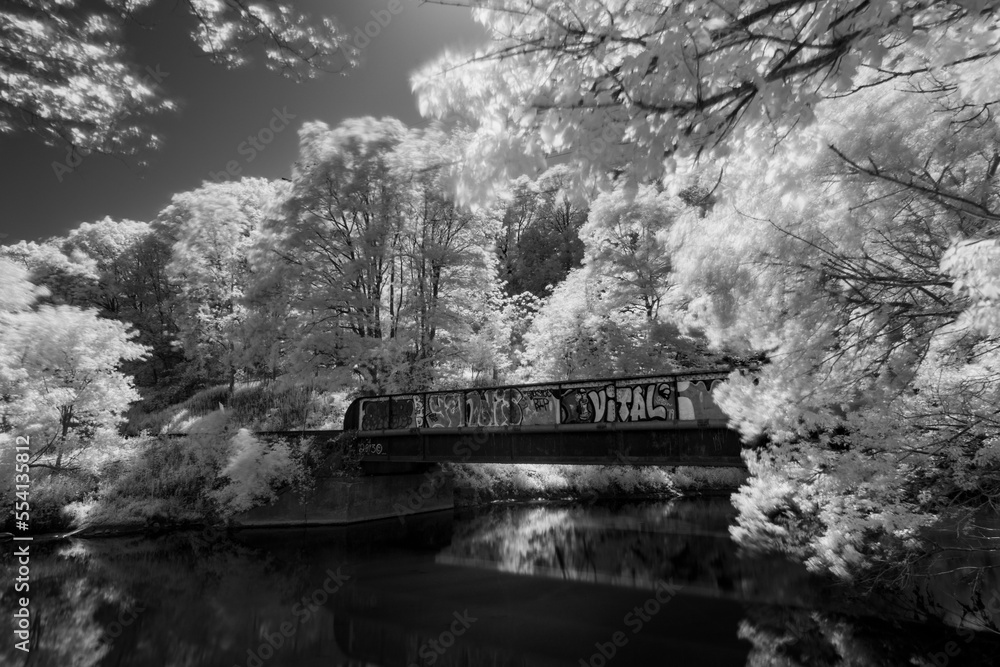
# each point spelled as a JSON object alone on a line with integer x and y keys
{"x": 656, "y": 420}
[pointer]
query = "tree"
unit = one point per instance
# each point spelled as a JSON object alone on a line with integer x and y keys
{"x": 630, "y": 89}
{"x": 539, "y": 242}
{"x": 328, "y": 254}
{"x": 59, "y": 375}
{"x": 69, "y": 278}
{"x": 863, "y": 265}
{"x": 365, "y": 256}
{"x": 66, "y": 78}
{"x": 626, "y": 241}
{"x": 131, "y": 286}
{"x": 439, "y": 254}
{"x": 215, "y": 227}
{"x": 582, "y": 330}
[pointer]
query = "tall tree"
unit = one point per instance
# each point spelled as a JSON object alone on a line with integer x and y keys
{"x": 215, "y": 227}
{"x": 440, "y": 249}
{"x": 328, "y": 255}
{"x": 368, "y": 262}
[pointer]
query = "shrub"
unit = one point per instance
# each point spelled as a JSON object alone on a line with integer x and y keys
{"x": 254, "y": 471}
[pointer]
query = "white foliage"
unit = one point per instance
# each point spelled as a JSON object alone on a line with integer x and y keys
{"x": 254, "y": 471}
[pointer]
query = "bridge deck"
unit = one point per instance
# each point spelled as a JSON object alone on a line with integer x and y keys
{"x": 624, "y": 444}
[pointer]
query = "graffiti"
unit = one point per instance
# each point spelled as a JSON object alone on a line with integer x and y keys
{"x": 574, "y": 407}
{"x": 487, "y": 407}
{"x": 418, "y": 411}
{"x": 401, "y": 413}
{"x": 444, "y": 410}
{"x": 382, "y": 413}
{"x": 371, "y": 449}
{"x": 694, "y": 400}
{"x": 603, "y": 402}
{"x": 536, "y": 406}
{"x": 645, "y": 402}
{"x": 638, "y": 400}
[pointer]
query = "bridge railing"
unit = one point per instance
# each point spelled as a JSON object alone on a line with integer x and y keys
{"x": 669, "y": 400}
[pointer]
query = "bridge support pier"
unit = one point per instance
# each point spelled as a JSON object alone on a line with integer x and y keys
{"x": 386, "y": 494}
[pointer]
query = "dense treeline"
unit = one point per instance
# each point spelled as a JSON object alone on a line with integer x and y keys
{"x": 280, "y": 300}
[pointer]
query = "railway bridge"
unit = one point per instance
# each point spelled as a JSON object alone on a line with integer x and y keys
{"x": 651, "y": 420}
{"x": 667, "y": 420}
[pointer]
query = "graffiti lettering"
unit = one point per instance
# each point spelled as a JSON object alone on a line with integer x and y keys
{"x": 487, "y": 407}
{"x": 374, "y": 415}
{"x": 603, "y": 401}
{"x": 444, "y": 410}
{"x": 401, "y": 415}
{"x": 535, "y": 406}
{"x": 625, "y": 401}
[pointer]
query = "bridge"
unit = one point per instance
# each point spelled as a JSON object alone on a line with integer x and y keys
{"x": 651, "y": 420}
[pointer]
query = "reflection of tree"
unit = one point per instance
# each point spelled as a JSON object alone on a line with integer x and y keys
{"x": 633, "y": 545}
{"x": 789, "y": 637}
{"x": 194, "y": 601}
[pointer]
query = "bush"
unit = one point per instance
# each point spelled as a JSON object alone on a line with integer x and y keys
{"x": 255, "y": 471}
{"x": 167, "y": 481}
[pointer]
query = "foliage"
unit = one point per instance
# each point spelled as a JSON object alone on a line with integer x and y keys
{"x": 168, "y": 480}
{"x": 624, "y": 89}
{"x": 67, "y": 78}
{"x": 214, "y": 228}
{"x": 254, "y": 471}
{"x": 59, "y": 377}
{"x": 539, "y": 239}
{"x": 626, "y": 240}
{"x": 881, "y": 391}
{"x": 132, "y": 285}
{"x": 583, "y": 330}
{"x": 117, "y": 267}
{"x": 361, "y": 266}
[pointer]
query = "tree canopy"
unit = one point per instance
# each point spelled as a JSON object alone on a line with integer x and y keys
{"x": 65, "y": 73}
{"x": 634, "y": 88}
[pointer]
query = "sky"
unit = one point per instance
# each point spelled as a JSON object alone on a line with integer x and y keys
{"x": 218, "y": 109}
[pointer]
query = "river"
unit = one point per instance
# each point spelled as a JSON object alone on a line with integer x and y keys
{"x": 638, "y": 583}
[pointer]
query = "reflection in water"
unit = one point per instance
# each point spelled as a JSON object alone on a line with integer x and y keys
{"x": 636, "y": 545}
{"x": 546, "y": 584}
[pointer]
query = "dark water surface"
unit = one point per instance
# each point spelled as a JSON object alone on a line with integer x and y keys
{"x": 648, "y": 583}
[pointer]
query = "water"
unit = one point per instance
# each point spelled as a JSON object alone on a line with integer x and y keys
{"x": 646, "y": 583}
